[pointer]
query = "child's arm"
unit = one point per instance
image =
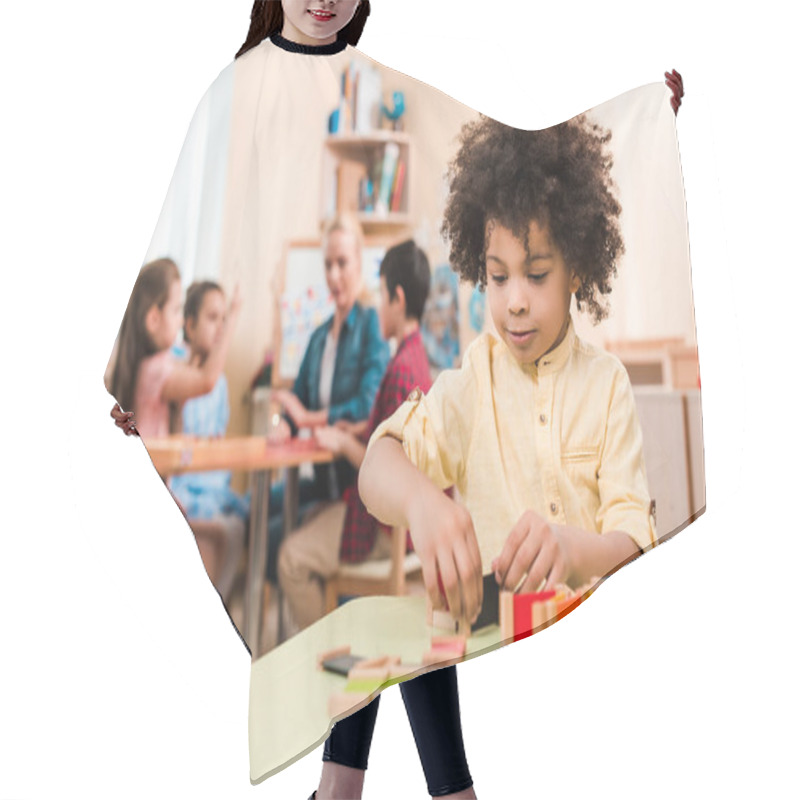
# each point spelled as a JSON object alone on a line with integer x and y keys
{"x": 397, "y": 493}
{"x": 341, "y": 443}
{"x": 300, "y": 415}
{"x": 188, "y": 381}
{"x": 536, "y": 551}
{"x": 354, "y": 428}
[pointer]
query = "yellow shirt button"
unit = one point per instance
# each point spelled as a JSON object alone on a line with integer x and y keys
{"x": 543, "y": 418}
{"x": 553, "y": 508}
{"x": 414, "y": 396}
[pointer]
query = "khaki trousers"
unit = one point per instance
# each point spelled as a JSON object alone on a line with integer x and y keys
{"x": 310, "y": 555}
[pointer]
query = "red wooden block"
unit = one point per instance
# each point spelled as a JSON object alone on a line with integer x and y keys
{"x": 458, "y": 643}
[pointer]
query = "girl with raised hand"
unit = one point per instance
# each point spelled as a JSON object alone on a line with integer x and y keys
{"x": 145, "y": 377}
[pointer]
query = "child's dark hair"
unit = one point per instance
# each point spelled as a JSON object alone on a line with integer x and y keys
{"x": 406, "y": 265}
{"x": 133, "y": 342}
{"x": 558, "y": 177}
{"x": 266, "y": 19}
{"x": 195, "y": 295}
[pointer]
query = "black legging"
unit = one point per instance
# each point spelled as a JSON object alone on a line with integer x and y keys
{"x": 432, "y": 706}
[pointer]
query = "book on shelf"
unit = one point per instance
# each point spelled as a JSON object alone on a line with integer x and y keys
{"x": 365, "y": 195}
{"x": 368, "y": 95}
{"x": 359, "y": 109}
{"x": 397, "y": 189}
{"x": 391, "y": 156}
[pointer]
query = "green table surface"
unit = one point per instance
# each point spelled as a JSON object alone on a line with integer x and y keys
{"x": 289, "y": 694}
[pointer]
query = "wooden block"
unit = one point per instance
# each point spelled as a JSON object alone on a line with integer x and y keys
{"x": 490, "y": 610}
{"x": 523, "y": 615}
{"x": 380, "y": 661}
{"x": 549, "y": 612}
{"x": 441, "y": 656}
{"x": 506, "y": 603}
{"x": 340, "y": 703}
{"x": 529, "y": 613}
{"x": 344, "y": 650}
{"x": 401, "y": 670}
{"x": 369, "y": 673}
{"x": 370, "y": 686}
{"x": 442, "y": 619}
{"x": 567, "y": 604}
{"x": 539, "y": 597}
{"x": 449, "y": 643}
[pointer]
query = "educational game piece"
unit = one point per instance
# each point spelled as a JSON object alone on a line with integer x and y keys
{"x": 445, "y": 648}
{"x": 490, "y": 610}
{"x": 329, "y": 655}
{"x": 368, "y": 673}
{"x": 506, "y": 605}
{"x": 373, "y": 668}
{"x": 440, "y": 655}
{"x": 524, "y": 614}
{"x": 440, "y": 619}
{"x": 488, "y": 615}
{"x": 449, "y": 643}
{"x": 397, "y": 671}
{"x": 368, "y": 685}
{"x": 341, "y": 665}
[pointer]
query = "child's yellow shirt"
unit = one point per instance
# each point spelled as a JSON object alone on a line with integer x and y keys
{"x": 561, "y": 438}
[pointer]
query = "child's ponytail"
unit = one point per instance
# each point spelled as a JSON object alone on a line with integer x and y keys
{"x": 133, "y": 342}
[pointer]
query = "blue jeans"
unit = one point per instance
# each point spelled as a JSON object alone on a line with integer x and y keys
{"x": 432, "y": 706}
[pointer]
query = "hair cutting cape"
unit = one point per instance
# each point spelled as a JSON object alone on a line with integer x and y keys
{"x": 286, "y": 138}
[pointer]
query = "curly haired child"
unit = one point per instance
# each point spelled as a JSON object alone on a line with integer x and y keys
{"x": 537, "y": 430}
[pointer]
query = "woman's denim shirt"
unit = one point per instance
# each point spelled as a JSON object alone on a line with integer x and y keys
{"x": 361, "y": 359}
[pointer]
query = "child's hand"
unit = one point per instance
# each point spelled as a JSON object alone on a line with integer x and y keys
{"x": 444, "y": 539}
{"x": 292, "y": 406}
{"x": 533, "y": 552}
{"x": 353, "y": 428}
{"x": 330, "y": 438}
{"x": 236, "y": 302}
{"x": 124, "y": 420}
{"x": 280, "y": 432}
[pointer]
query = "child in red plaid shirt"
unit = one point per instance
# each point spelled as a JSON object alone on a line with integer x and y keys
{"x": 344, "y": 531}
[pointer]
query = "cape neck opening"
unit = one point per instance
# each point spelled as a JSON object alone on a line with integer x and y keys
{"x": 308, "y": 49}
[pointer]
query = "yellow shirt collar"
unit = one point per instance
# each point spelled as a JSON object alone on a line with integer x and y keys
{"x": 555, "y": 359}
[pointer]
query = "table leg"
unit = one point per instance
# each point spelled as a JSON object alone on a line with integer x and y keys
{"x": 291, "y": 501}
{"x": 257, "y": 560}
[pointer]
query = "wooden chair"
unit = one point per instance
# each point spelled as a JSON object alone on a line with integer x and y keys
{"x": 378, "y": 577}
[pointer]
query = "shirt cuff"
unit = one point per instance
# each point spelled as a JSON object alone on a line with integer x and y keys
{"x": 638, "y": 526}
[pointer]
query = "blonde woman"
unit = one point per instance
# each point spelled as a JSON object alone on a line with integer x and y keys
{"x": 339, "y": 375}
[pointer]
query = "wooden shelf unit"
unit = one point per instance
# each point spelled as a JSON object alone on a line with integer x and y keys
{"x": 357, "y": 153}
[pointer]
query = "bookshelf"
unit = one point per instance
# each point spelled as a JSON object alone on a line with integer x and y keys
{"x": 350, "y": 160}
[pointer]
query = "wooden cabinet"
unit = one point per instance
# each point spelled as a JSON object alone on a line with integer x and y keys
{"x": 672, "y": 429}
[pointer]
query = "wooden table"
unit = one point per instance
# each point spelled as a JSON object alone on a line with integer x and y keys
{"x": 288, "y": 715}
{"x": 177, "y": 454}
